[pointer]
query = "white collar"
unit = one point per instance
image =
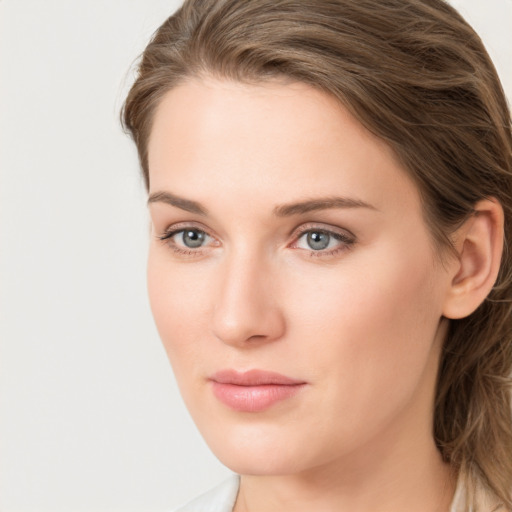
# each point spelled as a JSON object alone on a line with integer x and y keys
{"x": 219, "y": 499}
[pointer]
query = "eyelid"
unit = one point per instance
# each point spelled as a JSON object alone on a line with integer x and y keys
{"x": 181, "y": 226}
{"x": 319, "y": 226}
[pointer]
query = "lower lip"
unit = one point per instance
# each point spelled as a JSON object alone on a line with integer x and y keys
{"x": 253, "y": 398}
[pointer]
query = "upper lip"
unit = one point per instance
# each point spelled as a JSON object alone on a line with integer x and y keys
{"x": 253, "y": 378}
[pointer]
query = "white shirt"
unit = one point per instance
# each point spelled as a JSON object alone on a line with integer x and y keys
{"x": 219, "y": 499}
{"x": 222, "y": 499}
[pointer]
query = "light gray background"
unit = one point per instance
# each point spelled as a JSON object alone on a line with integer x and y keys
{"x": 90, "y": 417}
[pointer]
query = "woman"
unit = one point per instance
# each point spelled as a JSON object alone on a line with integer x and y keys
{"x": 330, "y": 190}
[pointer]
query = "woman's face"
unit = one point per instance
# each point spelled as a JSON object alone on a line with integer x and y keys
{"x": 286, "y": 239}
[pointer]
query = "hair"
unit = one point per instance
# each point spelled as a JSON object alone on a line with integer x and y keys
{"x": 415, "y": 74}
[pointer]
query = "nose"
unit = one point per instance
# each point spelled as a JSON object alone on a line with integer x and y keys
{"x": 247, "y": 312}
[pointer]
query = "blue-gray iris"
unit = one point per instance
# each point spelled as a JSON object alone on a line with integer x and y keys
{"x": 193, "y": 238}
{"x": 318, "y": 240}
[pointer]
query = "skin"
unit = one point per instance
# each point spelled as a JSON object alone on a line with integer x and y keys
{"x": 361, "y": 323}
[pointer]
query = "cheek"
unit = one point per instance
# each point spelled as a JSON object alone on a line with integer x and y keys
{"x": 381, "y": 300}
{"x": 367, "y": 332}
{"x": 178, "y": 296}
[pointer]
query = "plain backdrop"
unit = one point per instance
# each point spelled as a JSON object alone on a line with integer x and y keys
{"x": 90, "y": 417}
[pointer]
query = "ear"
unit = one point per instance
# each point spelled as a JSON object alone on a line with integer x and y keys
{"x": 479, "y": 243}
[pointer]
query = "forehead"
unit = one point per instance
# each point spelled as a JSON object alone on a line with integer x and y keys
{"x": 271, "y": 139}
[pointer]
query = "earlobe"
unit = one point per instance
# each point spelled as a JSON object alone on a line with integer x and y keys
{"x": 479, "y": 243}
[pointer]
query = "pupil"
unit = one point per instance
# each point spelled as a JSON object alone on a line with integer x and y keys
{"x": 318, "y": 240}
{"x": 193, "y": 239}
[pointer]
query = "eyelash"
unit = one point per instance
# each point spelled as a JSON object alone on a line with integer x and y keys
{"x": 346, "y": 240}
{"x": 170, "y": 232}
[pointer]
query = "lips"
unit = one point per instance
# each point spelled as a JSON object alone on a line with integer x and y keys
{"x": 254, "y": 390}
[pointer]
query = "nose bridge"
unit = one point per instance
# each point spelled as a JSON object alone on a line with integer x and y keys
{"x": 246, "y": 308}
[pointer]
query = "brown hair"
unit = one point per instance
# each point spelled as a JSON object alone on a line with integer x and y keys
{"x": 414, "y": 73}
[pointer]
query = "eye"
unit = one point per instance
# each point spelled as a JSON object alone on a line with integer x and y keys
{"x": 187, "y": 238}
{"x": 322, "y": 241}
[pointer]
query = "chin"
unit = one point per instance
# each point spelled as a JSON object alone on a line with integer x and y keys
{"x": 261, "y": 464}
{"x": 253, "y": 450}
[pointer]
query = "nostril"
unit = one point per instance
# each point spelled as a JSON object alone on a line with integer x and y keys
{"x": 257, "y": 337}
{"x": 261, "y": 326}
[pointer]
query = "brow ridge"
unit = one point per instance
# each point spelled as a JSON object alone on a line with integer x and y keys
{"x": 177, "y": 201}
{"x": 310, "y": 205}
{"x": 284, "y": 210}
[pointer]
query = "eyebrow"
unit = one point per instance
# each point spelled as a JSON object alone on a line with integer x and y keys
{"x": 325, "y": 203}
{"x": 178, "y": 202}
{"x": 284, "y": 210}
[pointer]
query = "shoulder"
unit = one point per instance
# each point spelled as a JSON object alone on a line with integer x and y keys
{"x": 219, "y": 499}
